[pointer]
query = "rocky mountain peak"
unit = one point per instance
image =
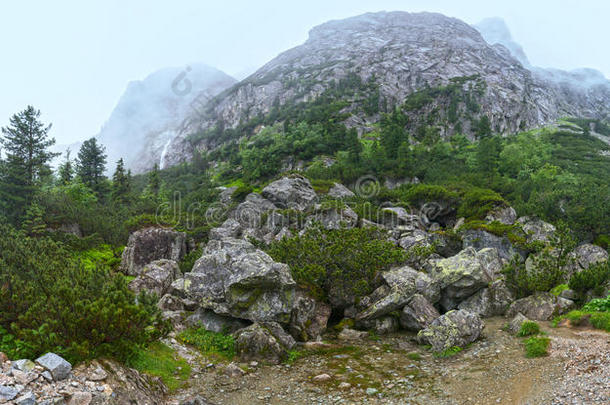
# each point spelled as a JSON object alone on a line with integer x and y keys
{"x": 495, "y": 31}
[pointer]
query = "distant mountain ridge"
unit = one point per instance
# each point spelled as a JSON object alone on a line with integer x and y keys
{"x": 401, "y": 53}
{"x": 150, "y": 112}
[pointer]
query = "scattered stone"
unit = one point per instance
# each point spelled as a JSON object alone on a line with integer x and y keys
{"x": 24, "y": 365}
{"x": 293, "y": 192}
{"x": 80, "y": 398}
{"x": 340, "y": 191}
{"x": 258, "y": 342}
{"x": 26, "y": 399}
{"x": 322, "y": 378}
{"x": 514, "y": 326}
{"x": 233, "y": 370}
{"x": 491, "y": 301}
{"x": 371, "y": 391}
{"x": 8, "y": 393}
{"x": 344, "y": 386}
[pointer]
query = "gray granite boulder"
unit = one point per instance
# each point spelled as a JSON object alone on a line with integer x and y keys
{"x": 156, "y": 277}
{"x": 491, "y": 301}
{"x": 418, "y": 314}
{"x": 266, "y": 342}
{"x": 455, "y": 328}
{"x": 339, "y": 191}
{"x": 293, "y": 192}
{"x": 234, "y": 278}
{"x": 540, "y": 306}
{"x": 150, "y": 244}
{"x": 309, "y": 317}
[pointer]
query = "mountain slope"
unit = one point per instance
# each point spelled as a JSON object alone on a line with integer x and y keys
{"x": 151, "y": 111}
{"x": 396, "y": 54}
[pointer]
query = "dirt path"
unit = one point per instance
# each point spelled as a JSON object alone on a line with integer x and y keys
{"x": 493, "y": 370}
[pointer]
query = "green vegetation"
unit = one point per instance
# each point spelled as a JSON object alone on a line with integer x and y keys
{"x": 50, "y": 301}
{"x": 596, "y": 312}
{"x": 159, "y": 360}
{"x": 593, "y": 278}
{"x": 345, "y": 261}
{"x": 414, "y": 356}
{"x": 537, "y": 346}
{"x": 209, "y": 343}
{"x": 528, "y": 328}
{"x": 452, "y": 351}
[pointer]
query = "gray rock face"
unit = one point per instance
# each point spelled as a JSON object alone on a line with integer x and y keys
{"x": 8, "y": 393}
{"x": 26, "y": 399}
{"x": 491, "y": 301}
{"x": 418, "y": 314}
{"x": 334, "y": 218}
{"x": 263, "y": 342}
{"x": 464, "y": 274}
{"x": 231, "y": 228}
{"x": 400, "y": 286}
{"x": 150, "y": 244}
{"x": 215, "y": 323}
{"x": 455, "y": 328}
{"x": 536, "y": 229}
{"x": 308, "y": 318}
{"x": 293, "y": 192}
{"x": 156, "y": 277}
{"x": 249, "y": 214}
{"x": 234, "y": 278}
{"x": 540, "y": 307}
{"x": 340, "y": 191}
{"x": 403, "y": 52}
{"x": 57, "y": 366}
{"x": 479, "y": 239}
{"x": 24, "y": 365}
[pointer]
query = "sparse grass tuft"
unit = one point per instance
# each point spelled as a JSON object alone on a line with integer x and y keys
{"x": 528, "y": 328}
{"x": 161, "y": 361}
{"x": 537, "y": 347}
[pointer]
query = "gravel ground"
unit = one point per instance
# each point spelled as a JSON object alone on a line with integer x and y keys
{"x": 493, "y": 370}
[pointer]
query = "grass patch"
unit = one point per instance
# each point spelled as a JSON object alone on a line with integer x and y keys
{"x": 600, "y": 320}
{"x": 537, "y": 346}
{"x": 209, "y": 343}
{"x": 452, "y": 351}
{"x": 414, "y": 356}
{"x": 559, "y": 289}
{"x": 528, "y": 328}
{"x": 161, "y": 361}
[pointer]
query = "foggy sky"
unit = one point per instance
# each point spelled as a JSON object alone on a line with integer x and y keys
{"x": 73, "y": 59}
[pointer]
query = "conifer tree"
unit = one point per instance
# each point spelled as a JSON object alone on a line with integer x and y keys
{"x": 66, "y": 170}
{"x": 91, "y": 164}
{"x": 26, "y": 145}
{"x": 154, "y": 181}
{"x": 121, "y": 182}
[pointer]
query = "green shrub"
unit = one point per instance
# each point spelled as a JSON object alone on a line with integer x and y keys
{"x": 159, "y": 360}
{"x": 528, "y": 328}
{"x": 209, "y": 342}
{"x": 592, "y": 278}
{"x": 600, "y": 320}
{"x": 242, "y": 192}
{"x": 477, "y": 202}
{"x": 188, "y": 261}
{"x": 346, "y": 260}
{"x": 598, "y": 305}
{"x": 537, "y": 347}
{"x": 53, "y": 302}
{"x": 558, "y": 289}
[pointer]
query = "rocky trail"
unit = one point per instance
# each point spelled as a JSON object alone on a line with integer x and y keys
{"x": 395, "y": 370}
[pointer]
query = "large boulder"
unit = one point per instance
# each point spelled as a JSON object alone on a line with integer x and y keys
{"x": 400, "y": 285}
{"x": 514, "y": 326}
{"x": 156, "y": 277}
{"x": 540, "y": 307}
{"x": 334, "y": 218}
{"x": 234, "y": 278}
{"x": 480, "y": 239}
{"x": 536, "y": 230}
{"x": 231, "y": 228}
{"x": 584, "y": 256}
{"x": 491, "y": 301}
{"x": 464, "y": 274}
{"x": 308, "y": 318}
{"x": 266, "y": 342}
{"x": 504, "y": 215}
{"x": 150, "y": 244}
{"x": 293, "y": 192}
{"x": 455, "y": 328}
{"x": 249, "y": 214}
{"x": 418, "y": 314}
{"x": 339, "y": 191}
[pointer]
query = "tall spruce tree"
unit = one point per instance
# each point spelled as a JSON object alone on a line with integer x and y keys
{"x": 91, "y": 164}
{"x": 121, "y": 182}
{"x": 154, "y": 181}
{"x": 26, "y": 143}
